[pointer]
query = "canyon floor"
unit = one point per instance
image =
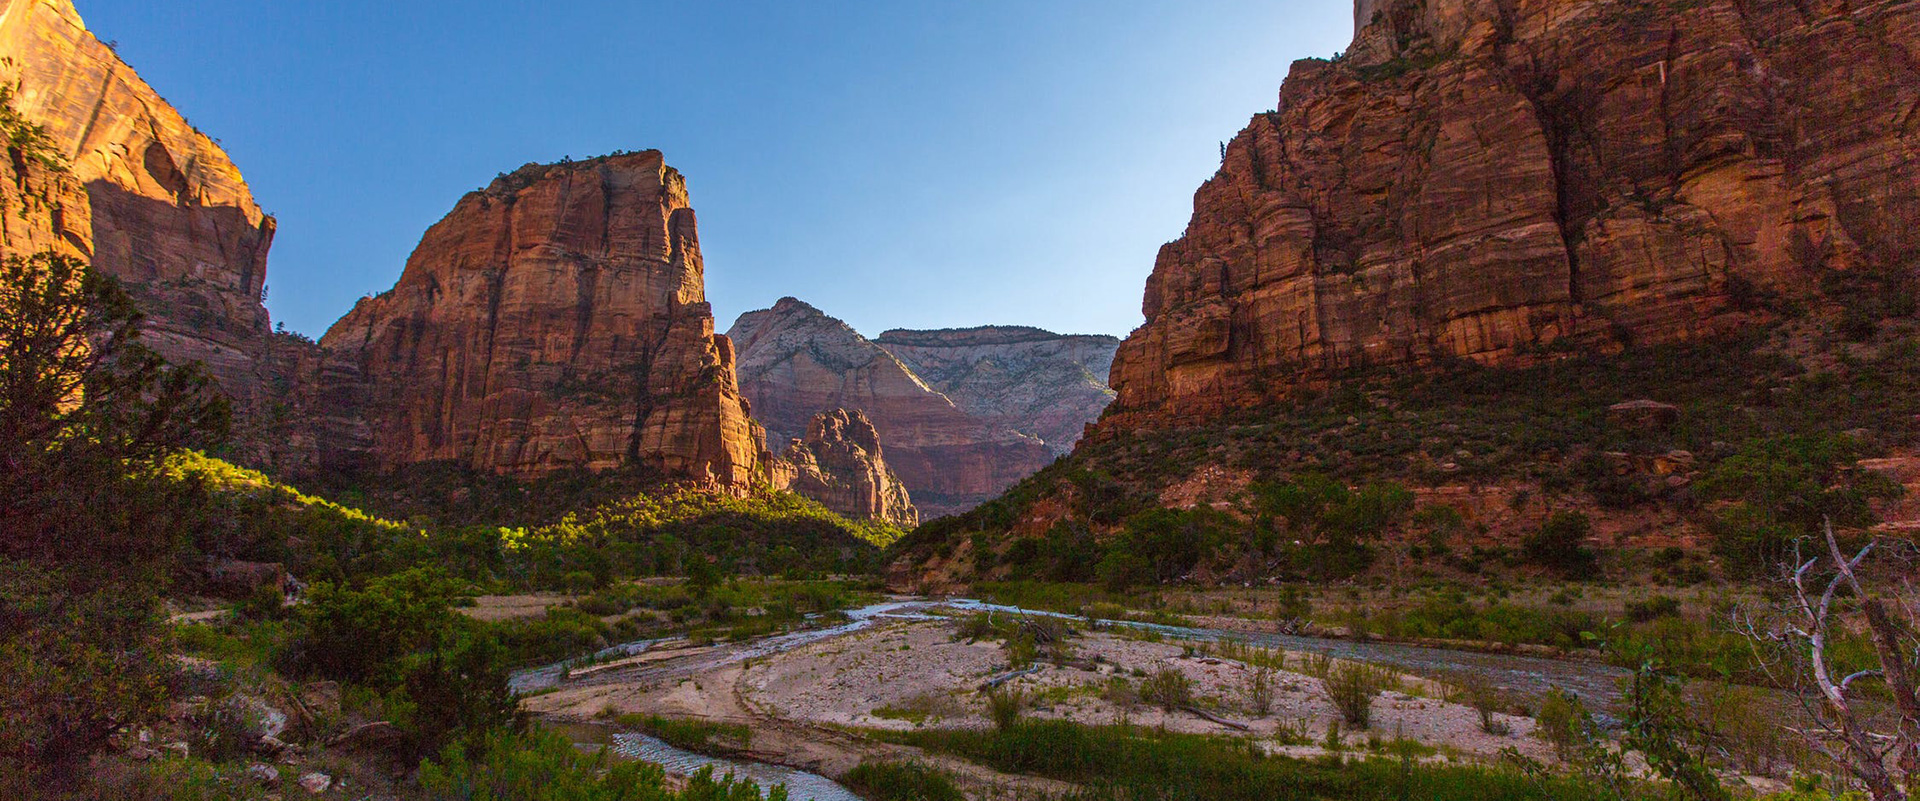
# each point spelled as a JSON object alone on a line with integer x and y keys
{"x": 826, "y": 702}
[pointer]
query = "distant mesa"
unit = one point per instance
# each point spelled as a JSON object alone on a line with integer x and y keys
{"x": 963, "y": 413}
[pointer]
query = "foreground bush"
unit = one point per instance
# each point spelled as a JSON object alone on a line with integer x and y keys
{"x": 543, "y": 766}
{"x": 1352, "y": 686}
{"x": 901, "y": 781}
{"x": 1123, "y": 762}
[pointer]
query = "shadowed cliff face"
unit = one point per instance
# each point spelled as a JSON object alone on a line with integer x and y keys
{"x": 160, "y": 206}
{"x": 841, "y": 464}
{"x": 556, "y": 319}
{"x": 1496, "y": 180}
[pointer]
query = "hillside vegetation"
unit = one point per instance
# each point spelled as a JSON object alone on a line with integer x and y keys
{"x": 1467, "y": 469}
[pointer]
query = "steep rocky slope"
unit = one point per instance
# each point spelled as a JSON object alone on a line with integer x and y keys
{"x": 155, "y": 202}
{"x": 1704, "y": 208}
{"x": 995, "y": 404}
{"x": 841, "y": 464}
{"x": 1023, "y": 379}
{"x": 555, "y": 319}
{"x": 1504, "y": 181}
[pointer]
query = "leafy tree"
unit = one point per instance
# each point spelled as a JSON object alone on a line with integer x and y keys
{"x": 1560, "y": 545}
{"x": 1331, "y": 521}
{"x": 361, "y": 636}
{"x": 87, "y": 523}
{"x": 84, "y": 410}
{"x": 702, "y": 577}
{"x": 1782, "y": 490}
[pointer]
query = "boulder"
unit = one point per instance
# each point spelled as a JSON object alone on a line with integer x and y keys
{"x": 1643, "y": 415}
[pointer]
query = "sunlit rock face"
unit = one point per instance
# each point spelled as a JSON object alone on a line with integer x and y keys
{"x": 963, "y": 414}
{"x": 840, "y": 463}
{"x": 1502, "y": 180}
{"x": 148, "y": 199}
{"x": 556, "y": 319}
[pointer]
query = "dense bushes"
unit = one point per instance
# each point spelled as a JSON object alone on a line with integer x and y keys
{"x": 901, "y": 781}
{"x": 260, "y": 519}
{"x": 1780, "y": 490}
{"x": 442, "y": 676}
{"x": 1120, "y": 762}
{"x": 768, "y": 533}
{"x": 1561, "y": 546}
{"x": 542, "y": 766}
{"x": 1311, "y": 527}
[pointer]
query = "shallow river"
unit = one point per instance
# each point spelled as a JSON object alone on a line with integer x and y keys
{"x": 801, "y": 785}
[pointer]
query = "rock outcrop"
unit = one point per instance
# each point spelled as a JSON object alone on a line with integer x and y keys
{"x": 796, "y": 362}
{"x": 556, "y": 319}
{"x": 994, "y": 405}
{"x": 153, "y": 201}
{"x": 840, "y": 463}
{"x": 1500, "y": 180}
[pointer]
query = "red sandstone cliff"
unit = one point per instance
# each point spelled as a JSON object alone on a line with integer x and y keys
{"x": 840, "y": 463}
{"x": 148, "y": 198}
{"x": 555, "y": 319}
{"x": 1480, "y": 179}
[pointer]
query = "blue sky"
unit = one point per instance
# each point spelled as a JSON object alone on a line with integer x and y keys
{"x": 897, "y": 163}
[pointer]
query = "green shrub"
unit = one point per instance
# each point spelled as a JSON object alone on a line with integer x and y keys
{"x": 1351, "y": 686}
{"x": 1560, "y": 545}
{"x": 1652, "y": 609}
{"x": 1562, "y": 722}
{"x": 362, "y": 635}
{"x": 543, "y": 766}
{"x": 1168, "y": 688}
{"x": 1004, "y": 705}
{"x": 901, "y": 781}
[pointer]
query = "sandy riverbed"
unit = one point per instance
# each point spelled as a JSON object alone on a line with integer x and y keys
{"x": 901, "y": 675}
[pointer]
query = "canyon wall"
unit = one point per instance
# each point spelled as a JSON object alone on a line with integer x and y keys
{"x": 992, "y": 406}
{"x": 1036, "y": 382}
{"x": 152, "y": 201}
{"x": 556, "y": 319}
{"x": 1502, "y": 180}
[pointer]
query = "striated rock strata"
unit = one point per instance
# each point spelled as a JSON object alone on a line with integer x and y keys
{"x": 152, "y": 201}
{"x": 840, "y": 463}
{"x": 1492, "y": 180}
{"x": 556, "y": 319}
{"x": 1022, "y": 379}
{"x": 993, "y": 406}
